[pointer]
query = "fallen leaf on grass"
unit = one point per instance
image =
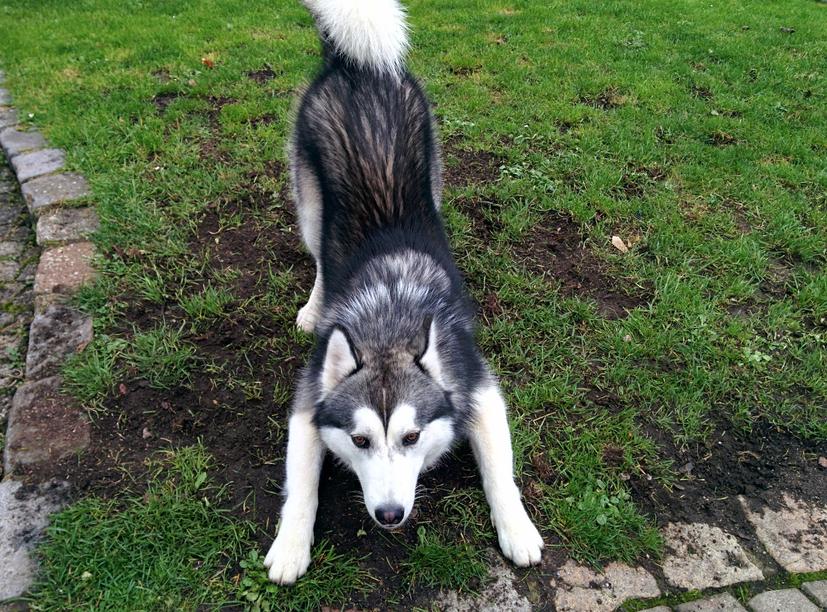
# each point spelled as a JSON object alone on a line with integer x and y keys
{"x": 617, "y": 242}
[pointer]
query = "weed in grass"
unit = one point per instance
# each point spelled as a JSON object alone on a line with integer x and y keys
{"x": 434, "y": 564}
{"x": 333, "y": 580}
{"x": 91, "y": 374}
{"x": 168, "y": 549}
{"x": 162, "y": 357}
{"x": 599, "y": 521}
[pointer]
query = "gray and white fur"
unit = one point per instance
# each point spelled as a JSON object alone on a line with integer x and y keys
{"x": 395, "y": 379}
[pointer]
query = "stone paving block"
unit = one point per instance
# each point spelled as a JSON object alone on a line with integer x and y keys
{"x": 27, "y": 272}
{"x": 8, "y": 271}
{"x": 10, "y": 212}
{"x": 657, "y": 609}
{"x": 54, "y": 334}
{"x": 8, "y": 117}
{"x": 500, "y": 594}
{"x": 64, "y": 269}
{"x": 10, "y": 248}
{"x": 31, "y": 165}
{"x": 817, "y": 590}
{"x": 794, "y": 534}
{"x": 718, "y": 603}
{"x": 46, "y": 191}
{"x": 44, "y": 426}
{"x": 702, "y": 556}
{"x": 15, "y": 142}
{"x": 785, "y": 600}
{"x": 66, "y": 225}
{"x": 25, "y": 511}
{"x": 5, "y": 97}
{"x": 580, "y": 589}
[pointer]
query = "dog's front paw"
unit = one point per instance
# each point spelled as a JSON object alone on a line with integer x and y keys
{"x": 519, "y": 539}
{"x": 288, "y": 558}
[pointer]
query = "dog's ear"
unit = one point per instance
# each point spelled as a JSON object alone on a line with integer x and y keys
{"x": 428, "y": 354}
{"x": 340, "y": 360}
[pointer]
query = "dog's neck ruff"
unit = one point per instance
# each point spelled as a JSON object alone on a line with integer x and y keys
{"x": 389, "y": 298}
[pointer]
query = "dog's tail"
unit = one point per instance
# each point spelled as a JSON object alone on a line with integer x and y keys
{"x": 369, "y": 34}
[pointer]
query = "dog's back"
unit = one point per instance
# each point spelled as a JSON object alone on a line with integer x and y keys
{"x": 364, "y": 130}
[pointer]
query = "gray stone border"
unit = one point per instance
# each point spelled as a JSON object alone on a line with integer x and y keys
{"x": 44, "y": 425}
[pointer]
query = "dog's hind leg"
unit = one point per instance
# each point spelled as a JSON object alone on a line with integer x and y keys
{"x": 491, "y": 442}
{"x": 311, "y": 312}
{"x": 308, "y": 199}
{"x": 289, "y": 556}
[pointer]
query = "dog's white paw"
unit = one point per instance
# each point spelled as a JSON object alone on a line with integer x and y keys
{"x": 288, "y": 558}
{"x": 519, "y": 539}
{"x": 308, "y": 317}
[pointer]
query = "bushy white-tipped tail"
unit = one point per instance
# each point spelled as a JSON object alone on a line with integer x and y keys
{"x": 370, "y": 33}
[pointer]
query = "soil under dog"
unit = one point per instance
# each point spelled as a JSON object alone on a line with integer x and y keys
{"x": 246, "y": 436}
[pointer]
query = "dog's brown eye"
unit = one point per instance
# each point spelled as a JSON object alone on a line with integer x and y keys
{"x": 411, "y": 438}
{"x": 360, "y": 441}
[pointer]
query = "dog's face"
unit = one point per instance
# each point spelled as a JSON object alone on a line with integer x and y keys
{"x": 387, "y": 418}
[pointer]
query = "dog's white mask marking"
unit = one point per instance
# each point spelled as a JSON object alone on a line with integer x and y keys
{"x": 387, "y": 468}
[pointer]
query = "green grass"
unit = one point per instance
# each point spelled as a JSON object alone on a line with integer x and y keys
{"x": 205, "y": 306}
{"x": 90, "y": 375}
{"x": 696, "y": 132}
{"x": 435, "y": 564}
{"x": 162, "y": 357}
{"x": 168, "y": 548}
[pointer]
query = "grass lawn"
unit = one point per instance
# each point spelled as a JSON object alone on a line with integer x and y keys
{"x": 639, "y": 381}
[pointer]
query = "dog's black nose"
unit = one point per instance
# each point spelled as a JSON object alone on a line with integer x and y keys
{"x": 390, "y": 515}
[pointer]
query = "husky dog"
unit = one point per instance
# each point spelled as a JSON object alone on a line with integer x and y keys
{"x": 395, "y": 379}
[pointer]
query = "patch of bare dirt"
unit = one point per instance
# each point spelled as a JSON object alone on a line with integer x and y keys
{"x": 760, "y": 465}
{"x": 699, "y": 91}
{"x": 638, "y": 179}
{"x": 162, "y": 100}
{"x": 267, "y": 119}
{"x": 483, "y": 214}
{"x": 720, "y": 138}
{"x": 463, "y": 167}
{"x": 262, "y": 75}
{"x": 607, "y": 99}
{"x": 555, "y": 249}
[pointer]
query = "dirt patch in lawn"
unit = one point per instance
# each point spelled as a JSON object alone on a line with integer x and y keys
{"x": 638, "y": 179}
{"x": 262, "y": 75}
{"x": 555, "y": 249}
{"x": 759, "y": 465}
{"x": 463, "y": 167}
{"x": 607, "y": 99}
{"x": 483, "y": 214}
{"x": 162, "y": 100}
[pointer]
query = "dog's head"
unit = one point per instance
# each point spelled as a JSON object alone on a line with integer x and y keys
{"x": 386, "y": 415}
